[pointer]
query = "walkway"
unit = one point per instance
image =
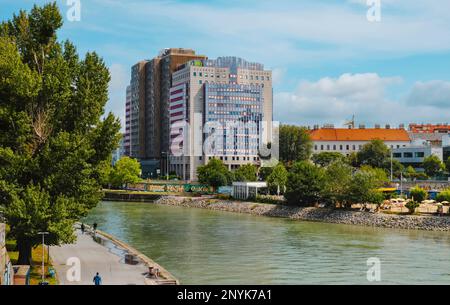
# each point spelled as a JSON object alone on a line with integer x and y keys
{"x": 95, "y": 258}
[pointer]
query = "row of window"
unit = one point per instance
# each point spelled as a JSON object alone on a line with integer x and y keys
{"x": 417, "y": 154}
{"x": 341, "y": 147}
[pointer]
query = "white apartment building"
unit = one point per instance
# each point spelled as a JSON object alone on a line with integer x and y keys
{"x": 347, "y": 141}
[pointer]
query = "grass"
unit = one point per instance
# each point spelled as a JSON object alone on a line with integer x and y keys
{"x": 36, "y": 266}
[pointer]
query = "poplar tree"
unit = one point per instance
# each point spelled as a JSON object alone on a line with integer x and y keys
{"x": 55, "y": 138}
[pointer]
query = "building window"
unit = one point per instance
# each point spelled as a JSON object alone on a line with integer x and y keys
{"x": 195, "y": 73}
{"x": 200, "y": 81}
{"x": 354, "y": 147}
{"x": 341, "y": 147}
{"x": 334, "y": 147}
{"x": 321, "y": 147}
{"x": 348, "y": 147}
{"x": 397, "y": 155}
{"x": 407, "y": 155}
{"x": 419, "y": 154}
{"x": 315, "y": 147}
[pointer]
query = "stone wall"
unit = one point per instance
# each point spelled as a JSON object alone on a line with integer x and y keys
{"x": 430, "y": 223}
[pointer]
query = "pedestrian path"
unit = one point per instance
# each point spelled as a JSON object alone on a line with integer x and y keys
{"x": 94, "y": 258}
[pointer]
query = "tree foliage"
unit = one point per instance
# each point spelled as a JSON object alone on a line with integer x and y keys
{"x": 246, "y": 173}
{"x": 295, "y": 144}
{"x": 375, "y": 154}
{"x": 215, "y": 174}
{"x": 305, "y": 184}
{"x": 326, "y": 158}
{"x": 53, "y": 140}
{"x": 125, "y": 171}
{"x": 432, "y": 165}
{"x": 277, "y": 180}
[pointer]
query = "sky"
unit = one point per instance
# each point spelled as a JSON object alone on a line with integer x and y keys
{"x": 329, "y": 61}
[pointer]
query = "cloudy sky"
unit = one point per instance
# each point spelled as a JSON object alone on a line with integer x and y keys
{"x": 329, "y": 61}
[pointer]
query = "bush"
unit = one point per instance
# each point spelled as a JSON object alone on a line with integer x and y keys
{"x": 443, "y": 196}
{"x": 418, "y": 194}
{"x": 412, "y": 206}
{"x": 305, "y": 184}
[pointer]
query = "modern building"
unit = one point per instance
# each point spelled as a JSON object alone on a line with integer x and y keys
{"x": 414, "y": 155}
{"x": 219, "y": 109}
{"x": 147, "y": 108}
{"x": 120, "y": 151}
{"x": 351, "y": 140}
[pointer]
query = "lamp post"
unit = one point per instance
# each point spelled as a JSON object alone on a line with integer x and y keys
{"x": 392, "y": 166}
{"x": 43, "y": 257}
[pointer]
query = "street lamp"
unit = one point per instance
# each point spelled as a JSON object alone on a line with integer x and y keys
{"x": 43, "y": 257}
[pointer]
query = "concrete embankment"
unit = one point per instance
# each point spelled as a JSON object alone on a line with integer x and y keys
{"x": 410, "y": 222}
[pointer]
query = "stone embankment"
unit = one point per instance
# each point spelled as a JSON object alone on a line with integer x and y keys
{"x": 410, "y": 222}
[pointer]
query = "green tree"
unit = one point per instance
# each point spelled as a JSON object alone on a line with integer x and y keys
{"x": 432, "y": 165}
{"x": 305, "y": 185}
{"x": 277, "y": 179}
{"x": 295, "y": 144}
{"x": 410, "y": 172}
{"x": 246, "y": 173}
{"x": 126, "y": 171}
{"x": 444, "y": 196}
{"x": 338, "y": 178}
{"x": 375, "y": 154}
{"x": 365, "y": 184}
{"x": 447, "y": 164}
{"x": 53, "y": 140}
{"x": 265, "y": 172}
{"x": 215, "y": 174}
{"x": 326, "y": 158}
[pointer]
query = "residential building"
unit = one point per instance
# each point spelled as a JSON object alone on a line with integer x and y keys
{"x": 351, "y": 140}
{"x": 147, "y": 110}
{"x": 219, "y": 109}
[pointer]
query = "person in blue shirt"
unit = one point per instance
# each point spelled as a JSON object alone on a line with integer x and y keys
{"x": 97, "y": 279}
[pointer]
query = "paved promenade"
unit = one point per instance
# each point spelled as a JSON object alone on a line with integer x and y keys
{"x": 95, "y": 258}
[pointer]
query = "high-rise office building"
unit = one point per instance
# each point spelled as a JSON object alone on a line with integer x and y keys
{"x": 219, "y": 109}
{"x": 147, "y": 114}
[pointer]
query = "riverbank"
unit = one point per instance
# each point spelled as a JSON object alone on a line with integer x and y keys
{"x": 115, "y": 261}
{"x": 409, "y": 222}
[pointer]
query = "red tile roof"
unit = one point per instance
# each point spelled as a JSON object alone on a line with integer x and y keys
{"x": 344, "y": 134}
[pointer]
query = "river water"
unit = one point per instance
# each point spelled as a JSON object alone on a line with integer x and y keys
{"x": 210, "y": 247}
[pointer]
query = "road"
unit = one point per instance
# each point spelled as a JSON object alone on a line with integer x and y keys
{"x": 94, "y": 258}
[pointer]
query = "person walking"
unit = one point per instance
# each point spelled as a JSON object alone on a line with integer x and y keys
{"x": 97, "y": 280}
{"x": 82, "y": 228}
{"x": 94, "y": 227}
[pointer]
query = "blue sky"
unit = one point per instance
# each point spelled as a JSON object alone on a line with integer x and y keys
{"x": 329, "y": 61}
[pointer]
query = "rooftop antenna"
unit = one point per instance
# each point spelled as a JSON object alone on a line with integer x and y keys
{"x": 351, "y": 123}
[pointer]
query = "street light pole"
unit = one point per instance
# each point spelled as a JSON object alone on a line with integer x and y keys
{"x": 392, "y": 166}
{"x": 43, "y": 255}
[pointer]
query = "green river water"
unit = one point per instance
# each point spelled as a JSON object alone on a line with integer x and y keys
{"x": 210, "y": 247}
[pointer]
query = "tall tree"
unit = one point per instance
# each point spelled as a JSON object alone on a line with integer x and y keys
{"x": 125, "y": 171}
{"x": 246, "y": 173}
{"x": 432, "y": 165}
{"x": 53, "y": 140}
{"x": 305, "y": 184}
{"x": 215, "y": 174}
{"x": 295, "y": 144}
{"x": 277, "y": 180}
{"x": 326, "y": 158}
{"x": 374, "y": 154}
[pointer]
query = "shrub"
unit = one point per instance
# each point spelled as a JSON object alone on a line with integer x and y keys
{"x": 444, "y": 196}
{"x": 412, "y": 206}
{"x": 418, "y": 194}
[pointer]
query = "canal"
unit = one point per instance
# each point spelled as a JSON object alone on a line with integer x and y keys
{"x": 210, "y": 247}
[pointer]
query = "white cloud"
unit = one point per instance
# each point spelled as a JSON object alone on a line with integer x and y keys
{"x": 432, "y": 93}
{"x": 334, "y": 100}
